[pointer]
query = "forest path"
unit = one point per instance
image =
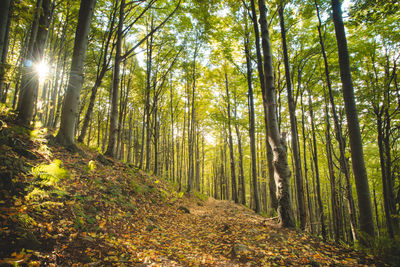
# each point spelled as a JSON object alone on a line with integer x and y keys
{"x": 222, "y": 233}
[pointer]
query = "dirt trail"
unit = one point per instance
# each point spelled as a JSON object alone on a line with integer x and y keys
{"x": 226, "y": 211}
{"x": 221, "y": 233}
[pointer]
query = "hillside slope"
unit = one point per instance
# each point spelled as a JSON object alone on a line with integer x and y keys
{"x": 63, "y": 209}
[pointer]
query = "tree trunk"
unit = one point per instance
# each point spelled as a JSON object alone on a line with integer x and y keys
{"x": 197, "y": 160}
{"x": 147, "y": 100}
{"x": 332, "y": 177}
{"x": 321, "y": 215}
{"x": 360, "y": 173}
{"x": 241, "y": 182}
{"x": 293, "y": 126}
{"x": 380, "y": 130}
{"x": 172, "y": 134}
{"x": 5, "y": 19}
{"x": 338, "y": 133}
{"x": 281, "y": 166}
{"x": 270, "y": 157}
{"x": 255, "y": 190}
{"x": 192, "y": 120}
{"x": 100, "y": 75}
{"x": 66, "y": 132}
{"x": 231, "y": 151}
{"x": 30, "y": 78}
{"x": 309, "y": 204}
{"x": 113, "y": 130}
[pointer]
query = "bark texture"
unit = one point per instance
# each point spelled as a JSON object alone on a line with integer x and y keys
{"x": 357, "y": 155}
{"x": 277, "y": 141}
{"x": 69, "y": 112}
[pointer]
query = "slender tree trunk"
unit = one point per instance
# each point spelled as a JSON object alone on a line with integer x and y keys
{"x": 389, "y": 223}
{"x": 192, "y": 122}
{"x": 113, "y": 130}
{"x": 147, "y": 100}
{"x": 172, "y": 134}
{"x": 130, "y": 137}
{"x": 270, "y": 157}
{"x": 321, "y": 215}
{"x": 376, "y": 212}
{"x": 241, "y": 183}
{"x": 255, "y": 190}
{"x": 30, "y": 81}
{"x": 338, "y": 132}
{"x": 197, "y": 160}
{"x": 60, "y": 97}
{"x": 143, "y": 133}
{"x": 293, "y": 126}
{"x": 5, "y": 19}
{"x": 156, "y": 136}
{"x": 231, "y": 151}
{"x": 277, "y": 142}
{"x": 357, "y": 155}
{"x": 332, "y": 177}
{"x": 309, "y": 204}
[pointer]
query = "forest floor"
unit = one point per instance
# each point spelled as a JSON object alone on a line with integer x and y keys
{"x": 81, "y": 209}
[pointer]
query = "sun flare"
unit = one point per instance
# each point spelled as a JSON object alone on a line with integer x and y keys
{"x": 42, "y": 70}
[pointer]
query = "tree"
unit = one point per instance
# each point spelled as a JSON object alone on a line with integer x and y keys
{"x": 257, "y": 206}
{"x": 338, "y": 131}
{"x": 281, "y": 167}
{"x": 30, "y": 78}
{"x": 111, "y": 148}
{"x": 103, "y": 66}
{"x": 69, "y": 114}
{"x": 5, "y": 18}
{"x": 360, "y": 173}
{"x": 272, "y": 185}
{"x": 293, "y": 126}
{"x": 231, "y": 152}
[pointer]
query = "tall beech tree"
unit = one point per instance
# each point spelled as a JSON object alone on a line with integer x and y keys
{"x": 112, "y": 136}
{"x": 366, "y": 220}
{"x": 277, "y": 141}
{"x": 257, "y": 204}
{"x": 5, "y": 20}
{"x": 231, "y": 152}
{"x": 293, "y": 125}
{"x": 36, "y": 46}
{"x": 66, "y": 133}
{"x": 103, "y": 66}
{"x": 338, "y": 131}
{"x": 271, "y": 176}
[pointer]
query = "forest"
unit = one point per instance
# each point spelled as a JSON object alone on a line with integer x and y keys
{"x": 288, "y": 107}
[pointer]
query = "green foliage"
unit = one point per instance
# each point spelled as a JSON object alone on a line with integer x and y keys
{"x": 19, "y": 130}
{"x": 46, "y": 181}
{"x": 25, "y": 220}
{"x": 91, "y": 167}
{"x": 5, "y": 111}
{"x": 36, "y": 194}
{"x": 49, "y": 174}
{"x": 201, "y": 196}
{"x": 387, "y": 248}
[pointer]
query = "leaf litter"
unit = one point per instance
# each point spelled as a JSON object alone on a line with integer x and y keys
{"x": 118, "y": 215}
